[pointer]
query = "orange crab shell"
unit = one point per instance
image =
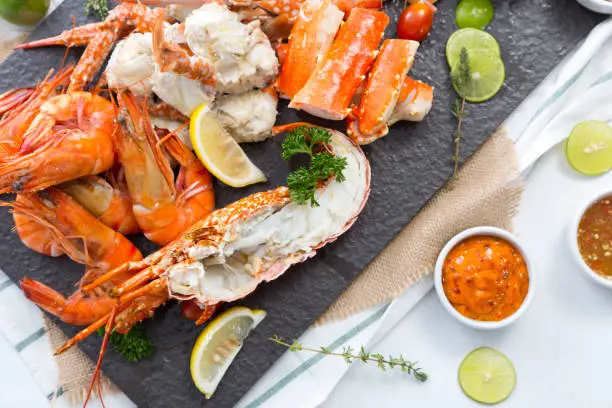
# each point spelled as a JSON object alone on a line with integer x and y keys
{"x": 414, "y": 103}
{"x": 329, "y": 90}
{"x": 369, "y": 121}
{"x": 312, "y": 35}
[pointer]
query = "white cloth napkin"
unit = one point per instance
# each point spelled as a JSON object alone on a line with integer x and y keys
{"x": 574, "y": 91}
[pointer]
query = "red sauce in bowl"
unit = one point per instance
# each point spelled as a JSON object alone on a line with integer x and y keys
{"x": 485, "y": 278}
{"x": 595, "y": 237}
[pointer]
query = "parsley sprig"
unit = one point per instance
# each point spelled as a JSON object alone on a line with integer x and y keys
{"x": 303, "y": 182}
{"x": 100, "y": 7}
{"x": 349, "y": 355}
{"x": 133, "y": 345}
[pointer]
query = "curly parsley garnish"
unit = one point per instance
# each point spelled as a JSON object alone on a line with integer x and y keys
{"x": 100, "y": 7}
{"x": 303, "y": 182}
{"x": 133, "y": 346}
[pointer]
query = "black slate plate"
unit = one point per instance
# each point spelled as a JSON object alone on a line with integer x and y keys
{"x": 408, "y": 167}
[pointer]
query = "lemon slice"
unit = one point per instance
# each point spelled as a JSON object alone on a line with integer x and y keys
{"x": 487, "y": 376}
{"x": 219, "y": 152}
{"x": 218, "y": 344}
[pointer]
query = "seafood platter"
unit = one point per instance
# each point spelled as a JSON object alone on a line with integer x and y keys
{"x": 150, "y": 162}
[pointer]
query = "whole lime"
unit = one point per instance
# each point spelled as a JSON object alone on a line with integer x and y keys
{"x": 474, "y": 13}
{"x": 23, "y": 12}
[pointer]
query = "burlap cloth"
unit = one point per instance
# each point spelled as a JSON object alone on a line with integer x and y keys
{"x": 486, "y": 191}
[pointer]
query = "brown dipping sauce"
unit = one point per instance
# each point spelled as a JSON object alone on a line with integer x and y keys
{"x": 595, "y": 237}
{"x": 485, "y": 278}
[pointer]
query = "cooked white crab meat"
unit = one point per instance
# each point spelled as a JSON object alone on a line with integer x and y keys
{"x": 264, "y": 245}
{"x": 185, "y": 94}
{"x": 132, "y": 65}
{"x": 180, "y": 12}
{"x": 241, "y": 54}
{"x": 248, "y": 117}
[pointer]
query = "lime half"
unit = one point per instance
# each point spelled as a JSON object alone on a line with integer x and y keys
{"x": 474, "y": 13}
{"x": 487, "y": 376}
{"x": 471, "y": 39}
{"x": 485, "y": 77}
{"x": 589, "y": 148}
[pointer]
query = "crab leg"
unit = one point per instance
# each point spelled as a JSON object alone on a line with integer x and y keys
{"x": 173, "y": 58}
{"x": 331, "y": 86}
{"x": 369, "y": 121}
{"x": 76, "y": 37}
{"x": 414, "y": 103}
{"x": 311, "y": 37}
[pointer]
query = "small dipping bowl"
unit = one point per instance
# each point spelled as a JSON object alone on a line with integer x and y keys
{"x": 488, "y": 232}
{"x": 573, "y": 242}
{"x": 598, "y": 6}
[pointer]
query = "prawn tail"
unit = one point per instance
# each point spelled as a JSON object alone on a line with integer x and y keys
{"x": 45, "y": 297}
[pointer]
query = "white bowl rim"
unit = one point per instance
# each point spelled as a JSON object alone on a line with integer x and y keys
{"x": 492, "y": 232}
{"x": 598, "y": 6}
{"x": 573, "y": 239}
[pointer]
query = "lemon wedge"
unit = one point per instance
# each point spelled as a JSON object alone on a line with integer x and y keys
{"x": 218, "y": 344}
{"x": 219, "y": 152}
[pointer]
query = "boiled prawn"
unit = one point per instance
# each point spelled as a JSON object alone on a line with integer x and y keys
{"x": 71, "y": 136}
{"x": 163, "y": 207}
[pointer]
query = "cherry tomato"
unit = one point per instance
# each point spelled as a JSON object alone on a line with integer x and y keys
{"x": 190, "y": 310}
{"x": 415, "y": 22}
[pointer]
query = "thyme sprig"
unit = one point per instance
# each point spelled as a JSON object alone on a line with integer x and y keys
{"x": 461, "y": 80}
{"x": 350, "y": 355}
{"x": 99, "y": 7}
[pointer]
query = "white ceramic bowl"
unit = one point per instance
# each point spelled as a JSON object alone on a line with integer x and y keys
{"x": 573, "y": 242}
{"x": 492, "y": 232}
{"x": 598, "y": 6}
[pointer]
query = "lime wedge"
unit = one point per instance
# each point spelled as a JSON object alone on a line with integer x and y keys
{"x": 487, "y": 376}
{"x": 589, "y": 148}
{"x": 486, "y": 76}
{"x": 219, "y": 152}
{"x": 474, "y": 13}
{"x": 218, "y": 345}
{"x": 471, "y": 39}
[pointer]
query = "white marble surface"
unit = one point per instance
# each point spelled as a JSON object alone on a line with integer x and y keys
{"x": 560, "y": 347}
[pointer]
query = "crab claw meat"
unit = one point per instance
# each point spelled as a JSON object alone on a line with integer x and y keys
{"x": 369, "y": 121}
{"x": 248, "y": 117}
{"x": 312, "y": 35}
{"x": 415, "y": 101}
{"x": 329, "y": 90}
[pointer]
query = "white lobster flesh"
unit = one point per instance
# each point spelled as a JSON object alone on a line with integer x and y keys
{"x": 260, "y": 244}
